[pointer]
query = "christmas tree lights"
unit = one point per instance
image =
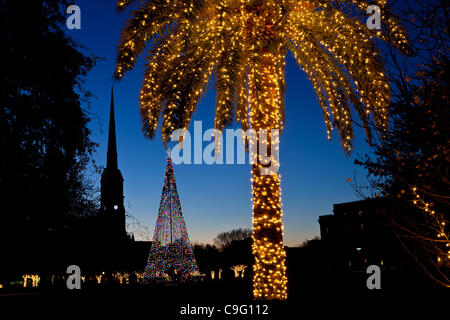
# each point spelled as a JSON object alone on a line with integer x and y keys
{"x": 171, "y": 251}
{"x": 244, "y": 43}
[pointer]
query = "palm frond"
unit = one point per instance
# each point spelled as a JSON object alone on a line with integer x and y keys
{"x": 351, "y": 43}
{"x": 121, "y": 5}
{"x": 392, "y": 31}
{"x": 145, "y": 23}
{"x": 186, "y": 77}
{"x": 150, "y": 100}
{"x": 149, "y": 22}
{"x": 330, "y": 92}
{"x": 227, "y": 75}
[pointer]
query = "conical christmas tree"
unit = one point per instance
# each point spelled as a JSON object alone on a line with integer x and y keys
{"x": 171, "y": 251}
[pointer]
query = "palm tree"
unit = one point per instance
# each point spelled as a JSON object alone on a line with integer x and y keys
{"x": 244, "y": 43}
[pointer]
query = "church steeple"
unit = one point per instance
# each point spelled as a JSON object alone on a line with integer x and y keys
{"x": 111, "y": 161}
{"x": 112, "y": 207}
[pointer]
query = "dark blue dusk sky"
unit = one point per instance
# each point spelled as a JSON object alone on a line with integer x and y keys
{"x": 214, "y": 198}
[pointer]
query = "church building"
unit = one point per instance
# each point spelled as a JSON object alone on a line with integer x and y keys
{"x": 112, "y": 210}
{"x": 116, "y": 249}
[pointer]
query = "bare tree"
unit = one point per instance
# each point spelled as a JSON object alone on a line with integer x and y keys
{"x": 224, "y": 239}
{"x": 305, "y": 243}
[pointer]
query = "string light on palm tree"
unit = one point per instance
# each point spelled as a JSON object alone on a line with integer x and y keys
{"x": 244, "y": 43}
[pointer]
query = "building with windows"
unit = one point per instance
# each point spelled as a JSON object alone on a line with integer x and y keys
{"x": 359, "y": 234}
{"x": 356, "y": 235}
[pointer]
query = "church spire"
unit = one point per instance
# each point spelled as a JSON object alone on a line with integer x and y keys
{"x": 111, "y": 161}
{"x": 112, "y": 209}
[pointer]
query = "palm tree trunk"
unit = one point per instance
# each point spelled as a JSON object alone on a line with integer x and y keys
{"x": 269, "y": 280}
